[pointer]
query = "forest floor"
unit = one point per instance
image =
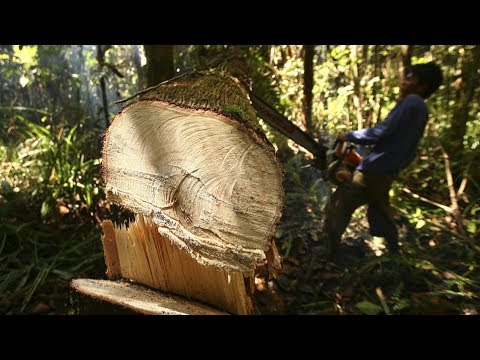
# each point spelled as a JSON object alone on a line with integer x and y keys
{"x": 361, "y": 280}
{"x": 312, "y": 283}
{"x": 433, "y": 274}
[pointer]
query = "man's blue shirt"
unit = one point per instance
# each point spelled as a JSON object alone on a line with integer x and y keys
{"x": 395, "y": 139}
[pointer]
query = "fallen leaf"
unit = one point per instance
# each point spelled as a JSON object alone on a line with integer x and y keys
{"x": 62, "y": 210}
{"x": 448, "y": 275}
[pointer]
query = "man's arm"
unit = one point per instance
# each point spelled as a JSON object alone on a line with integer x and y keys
{"x": 372, "y": 135}
{"x": 409, "y": 108}
{"x": 366, "y": 136}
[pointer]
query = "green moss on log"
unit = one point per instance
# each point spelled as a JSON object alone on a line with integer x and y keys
{"x": 208, "y": 90}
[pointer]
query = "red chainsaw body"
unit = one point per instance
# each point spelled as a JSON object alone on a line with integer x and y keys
{"x": 343, "y": 162}
{"x": 348, "y": 154}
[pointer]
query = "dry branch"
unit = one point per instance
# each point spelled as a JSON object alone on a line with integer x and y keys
{"x": 453, "y": 195}
{"x": 428, "y": 201}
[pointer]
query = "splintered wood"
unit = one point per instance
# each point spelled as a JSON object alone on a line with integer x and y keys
{"x": 141, "y": 254}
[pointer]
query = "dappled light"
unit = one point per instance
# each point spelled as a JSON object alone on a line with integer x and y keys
{"x": 56, "y": 103}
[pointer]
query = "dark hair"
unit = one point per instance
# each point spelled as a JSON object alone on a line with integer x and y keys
{"x": 429, "y": 75}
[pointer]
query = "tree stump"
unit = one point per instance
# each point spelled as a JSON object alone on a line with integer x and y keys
{"x": 189, "y": 159}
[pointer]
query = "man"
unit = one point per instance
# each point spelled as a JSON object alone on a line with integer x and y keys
{"x": 395, "y": 142}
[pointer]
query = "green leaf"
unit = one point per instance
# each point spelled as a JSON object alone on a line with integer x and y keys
{"x": 46, "y": 209}
{"x": 27, "y": 55}
{"x": 472, "y": 227}
{"x": 368, "y": 308}
{"x": 420, "y": 224}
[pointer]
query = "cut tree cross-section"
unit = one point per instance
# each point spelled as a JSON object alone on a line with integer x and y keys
{"x": 189, "y": 157}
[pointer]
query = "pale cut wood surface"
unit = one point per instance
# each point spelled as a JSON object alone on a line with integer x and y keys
{"x": 212, "y": 185}
{"x": 110, "y": 251}
{"x": 141, "y": 299}
{"x": 149, "y": 258}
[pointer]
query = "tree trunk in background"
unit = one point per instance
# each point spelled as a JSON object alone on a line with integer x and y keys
{"x": 85, "y": 80}
{"x": 406, "y": 58}
{"x": 390, "y": 69}
{"x": 138, "y": 65}
{"x": 357, "y": 95}
{"x": 309, "y": 51}
{"x": 159, "y": 63}
{"x": 406, "y": 51}
{"x": 365, "y": 71}
{"x": 465, "y": 86}
{"x": 377, "y": 91}
{"x": 101, "y": 60}
{"x": 102, "y": 63}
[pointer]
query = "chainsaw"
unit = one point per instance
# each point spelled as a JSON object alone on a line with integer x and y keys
{"x": 342, "y": 160}
{"x": 337, "y": 164}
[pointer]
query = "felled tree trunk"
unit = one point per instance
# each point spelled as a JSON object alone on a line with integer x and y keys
{"x": 189, "y": 160}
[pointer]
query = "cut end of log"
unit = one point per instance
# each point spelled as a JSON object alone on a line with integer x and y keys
{"x": 190, "y": 161}
{"x": 212, "y": 186}
{"x": 141, "y": 299}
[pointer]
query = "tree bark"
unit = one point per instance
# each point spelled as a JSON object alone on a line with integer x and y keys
{"x": 159, "y": 63}
{"x": 377, "y": 91}
{"x": 309, "y": 51}
{"x": 101, "y": 60}
{"x": 138, "y": 66}
{"x": 357, "y": 94}
{"x": 101, "y": 50}
{"x": 466, "y": 85}
{"x": 190, "y": 157}
{"x": 365, "y": 71}
{"x": 406, "y": 52}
